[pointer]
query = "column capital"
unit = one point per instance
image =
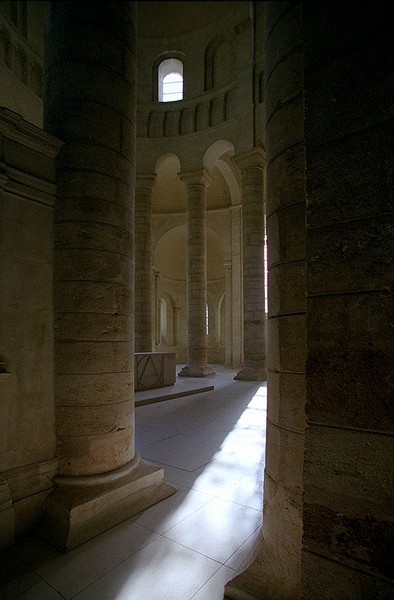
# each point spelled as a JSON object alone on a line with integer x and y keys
{"x": 255, "y": 157}
{"x": 145, "y": 181}
{"x": 192, "y": 178}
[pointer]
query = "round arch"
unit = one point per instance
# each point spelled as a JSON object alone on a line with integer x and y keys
{"x": 170, "y": 254}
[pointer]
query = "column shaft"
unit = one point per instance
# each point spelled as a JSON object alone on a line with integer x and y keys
{"x": 254, "y": 367}
{"x": 90, "y": 105}
{"x": 275, "y": 571}
{"x": 143, "y": 265}
{"x": 197, "y": 366}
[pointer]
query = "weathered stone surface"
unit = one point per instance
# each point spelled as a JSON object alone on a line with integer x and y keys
{"x": 75, "y": 515}
{"x": 284, "y": 455}
{"x": 99, "y": 327}
{"x": 279, "y": 136}
{"x": 282, "y": 88}
{"x": 349, "y": 380}
{"x": 352, "y": 257}
{"x": 88, "y": 264}
{"x": 285, "y": 179}
{"x": 92, "y": 296}
{"x": 94, "y": 454}
{"x": 358, "y": 540}
{"x": 286, "y": 235}
{"x": 325, "y": 579}
{"x": 287, "y": 399}
{"x": 78, "y": 358}
{"x": 287, "y": 288}
{"x": 84, "y": 193}
{"x": 349, "y": 471}
{"x": 101, "y": 388}
{"x": 82, "y": 420}
{"x": 355, "y": 196}
{"x": 98, "y": 236}
{"x": 287, "y": 343}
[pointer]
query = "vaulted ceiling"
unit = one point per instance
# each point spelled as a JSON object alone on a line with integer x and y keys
{"x": 167, "y": 19}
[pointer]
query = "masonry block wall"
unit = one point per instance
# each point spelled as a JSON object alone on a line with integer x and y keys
{"x": 27, "y": 440}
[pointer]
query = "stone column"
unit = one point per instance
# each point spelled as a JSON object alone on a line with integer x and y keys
{"x": 196, "y": 184}
{"x": 252, "y": 170}
{"x": 218, "y": 327}
{"x": 143, "y": 326}
{"x": 236, "y": 291}
{"x": 275, "y": 569}
{"x": 177, "y": 310}
{"x": 348, "y": 464}
{"x": 90, "y": 105}
{"x": 228, "y": 333}
{"x": 156, "y": 306}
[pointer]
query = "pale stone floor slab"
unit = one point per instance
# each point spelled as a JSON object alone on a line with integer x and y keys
{"x": 211, "y": 446}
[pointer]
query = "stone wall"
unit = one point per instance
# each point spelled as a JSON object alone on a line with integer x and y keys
{"x": 27, "y": 189}
{"x": 21, "y": 58}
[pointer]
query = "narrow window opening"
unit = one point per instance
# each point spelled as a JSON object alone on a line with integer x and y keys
{"x": 172, "y": 87}
{"x": 170, "y": 80}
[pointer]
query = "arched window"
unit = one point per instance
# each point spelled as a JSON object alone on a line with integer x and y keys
{"x": 170, "y": 80}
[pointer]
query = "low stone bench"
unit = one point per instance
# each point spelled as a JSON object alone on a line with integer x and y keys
{"x": 154, "y": 370}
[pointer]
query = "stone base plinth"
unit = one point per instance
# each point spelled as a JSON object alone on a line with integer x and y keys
{"x": 7, "y": 517}
{"x": 252, "y": 374}
{"x": 196, "y": 371}
{"x": 244, "y": 587}
{"x": 76, "y": 514}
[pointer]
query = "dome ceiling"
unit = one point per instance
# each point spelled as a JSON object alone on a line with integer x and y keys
{"x": 167, "y": 19}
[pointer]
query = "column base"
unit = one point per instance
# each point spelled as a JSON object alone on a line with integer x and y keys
{"x": 252, "y": 374}
{"x": 245, "y": 586}
{"x": 75, "y": 514}
{"x": 196, "y": 371}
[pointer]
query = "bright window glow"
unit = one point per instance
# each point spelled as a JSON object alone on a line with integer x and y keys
{"x": 170, "y": 80}
{"x": 172, "y": 87}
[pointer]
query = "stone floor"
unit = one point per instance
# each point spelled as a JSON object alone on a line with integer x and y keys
{"x": 211, "y": 446}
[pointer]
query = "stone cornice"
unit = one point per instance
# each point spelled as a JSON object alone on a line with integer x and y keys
{"x": 14, "y": 127}
{"x": 25, "y": 185}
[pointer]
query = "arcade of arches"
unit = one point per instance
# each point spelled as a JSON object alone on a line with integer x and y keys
{"x": 133, "y": 225}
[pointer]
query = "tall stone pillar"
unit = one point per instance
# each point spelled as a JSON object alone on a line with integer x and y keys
{"x": 196, "y": 184}
{"x": 348, "y": 517}
{"x": 156, "y": 306}
{"x": 90, "y": 105}
{"x": 275, "y": 569}
{"x": 143, "y": 326}
{"x": 228, "y": 333}
{"x": 252, "y": 170}
{"x": 235, "y": 291}
{"x": 177, "y": 310}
